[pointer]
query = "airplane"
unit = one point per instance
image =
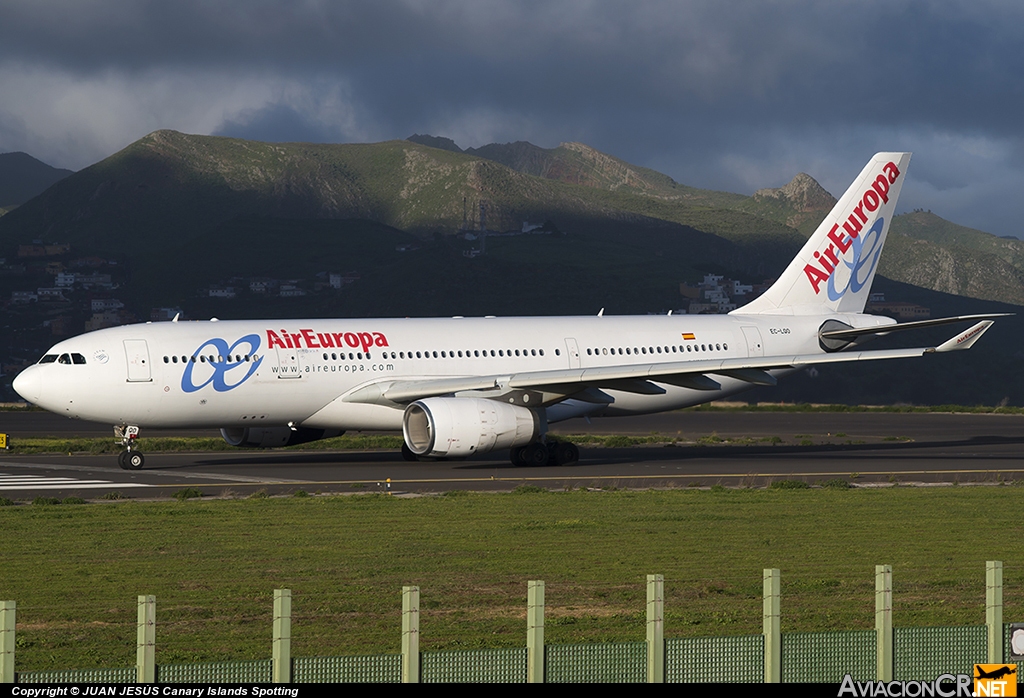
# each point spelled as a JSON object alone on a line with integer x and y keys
{"x": 460, "y": 387}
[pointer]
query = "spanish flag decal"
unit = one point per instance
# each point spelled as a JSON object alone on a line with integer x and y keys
{"x": 689, "y": 335}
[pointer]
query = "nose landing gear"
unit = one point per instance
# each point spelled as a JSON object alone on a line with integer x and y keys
{"x": 130, "y": 458}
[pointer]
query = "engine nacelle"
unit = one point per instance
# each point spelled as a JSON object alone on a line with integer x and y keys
{"x": 273, "y": 437}
{"x": 458, "y": 426}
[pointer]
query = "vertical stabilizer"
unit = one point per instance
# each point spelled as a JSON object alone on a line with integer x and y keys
{"x": 834, "y": 269}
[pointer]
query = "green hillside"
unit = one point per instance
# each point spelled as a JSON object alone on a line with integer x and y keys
{"x": 175, "y": 214}
{"x": 171, "y": 195}
{"x": 23, "y": 177}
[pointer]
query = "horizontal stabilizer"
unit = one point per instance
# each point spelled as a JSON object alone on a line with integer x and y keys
{"x": 882, "y": 330}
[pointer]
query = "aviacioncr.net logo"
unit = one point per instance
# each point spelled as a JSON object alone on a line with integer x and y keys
{"x": 851, "y": 274}
{"x": 216, "y": 363}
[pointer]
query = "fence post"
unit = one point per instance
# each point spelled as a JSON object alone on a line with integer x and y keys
{"x": 655, "y": 628}
{"x": 772, "y": 626}
{"x": 7, "y": 609}
{"x": 282, "y": 636}
{"x": 145, "y": 653}
{"x": 883, "y": 623}
{"x": 994, "y": 610}
{"x": 535, "y": 631}
{"x": 410, "y": 634}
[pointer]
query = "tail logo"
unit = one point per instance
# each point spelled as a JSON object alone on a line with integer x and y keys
{"x": 850, "y": 240}
{"x": 218, "y": 365}
{"x": 872, "y": 240}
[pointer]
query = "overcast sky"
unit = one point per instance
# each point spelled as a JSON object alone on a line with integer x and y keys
{"x": 724, "y": 95}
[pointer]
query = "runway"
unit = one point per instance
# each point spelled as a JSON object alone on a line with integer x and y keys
{"x": 733, "y": 449}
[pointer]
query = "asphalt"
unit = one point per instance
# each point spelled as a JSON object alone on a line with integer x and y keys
{"x": 731, "y": 449}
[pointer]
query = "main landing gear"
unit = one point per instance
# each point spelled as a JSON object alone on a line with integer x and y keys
{"x": 130, "y": 458}
{"x": 540, "y": 454}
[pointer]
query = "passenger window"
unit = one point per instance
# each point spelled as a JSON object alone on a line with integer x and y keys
{"x": 167, "y": 360}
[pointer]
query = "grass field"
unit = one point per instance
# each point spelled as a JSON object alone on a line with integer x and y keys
{"x": 75, "y": 570}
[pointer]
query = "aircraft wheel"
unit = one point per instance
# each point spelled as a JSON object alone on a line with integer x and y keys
{"x": 566, "y": 453}
{"x": 134, "y": 460}
{"x": 122, "y": 460}
{"x": 516, "y": 456}
{"x": 536, "y": 455}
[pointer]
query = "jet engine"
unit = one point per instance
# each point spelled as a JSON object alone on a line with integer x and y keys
{"x": 456, "y": 427}
{"x": 273, "y": 437}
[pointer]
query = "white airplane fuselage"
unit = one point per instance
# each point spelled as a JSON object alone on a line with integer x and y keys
{"x": 464, "y": 386}
{"x": 280, "y": 372}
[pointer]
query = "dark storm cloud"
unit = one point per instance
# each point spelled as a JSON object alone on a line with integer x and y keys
{"x": 729, "y": 95}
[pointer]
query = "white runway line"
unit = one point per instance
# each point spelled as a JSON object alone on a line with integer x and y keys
{"x": 37, "y": 482}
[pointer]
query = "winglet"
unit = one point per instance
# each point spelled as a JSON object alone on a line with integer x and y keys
{"x": 966, "y": 339}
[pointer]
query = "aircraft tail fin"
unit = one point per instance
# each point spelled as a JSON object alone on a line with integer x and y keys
{"x": 834, "y": 269}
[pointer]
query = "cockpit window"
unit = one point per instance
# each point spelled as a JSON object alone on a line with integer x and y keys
{"x": 64, "y": 359}
{"x": 48, "y": 359}
{"x": 77, "y": 358}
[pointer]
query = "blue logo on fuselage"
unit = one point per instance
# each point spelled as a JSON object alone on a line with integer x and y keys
{"x": 872, "y": 240}
{"x": 220, "y": 363}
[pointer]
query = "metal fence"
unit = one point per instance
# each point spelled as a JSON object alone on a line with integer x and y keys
{"x": 885, "y": 653}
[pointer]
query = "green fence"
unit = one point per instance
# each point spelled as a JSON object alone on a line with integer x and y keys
{"x": 924, "y": 653}
{"x": 380, "y": 668}
{"x": 828, "y": 657}
{"x": 474, "y": 666}
{"x": 126, "y": 675}
{"x": 885, "y": 653}
{"x": 216, "y": 672}
{"x": 715, "y": 659}
{"x": 612, "y": 662}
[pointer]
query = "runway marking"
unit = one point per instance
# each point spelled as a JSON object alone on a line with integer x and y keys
{"x": 38, "y": 482}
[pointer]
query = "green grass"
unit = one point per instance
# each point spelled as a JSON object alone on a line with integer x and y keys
{"x": 76, "y": 571}
{"x": 191, "y": 443}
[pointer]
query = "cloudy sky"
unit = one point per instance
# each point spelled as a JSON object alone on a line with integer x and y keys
{"x": 724, "y": 95}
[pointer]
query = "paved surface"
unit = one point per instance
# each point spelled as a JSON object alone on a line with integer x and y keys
{"x": 861, "y": 447}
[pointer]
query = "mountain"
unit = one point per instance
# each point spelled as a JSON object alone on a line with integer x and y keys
{"x": 173, "y": 214}
{"x": 23, "y": 177}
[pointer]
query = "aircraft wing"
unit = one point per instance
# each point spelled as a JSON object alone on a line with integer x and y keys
{"x": 642, "y": 378}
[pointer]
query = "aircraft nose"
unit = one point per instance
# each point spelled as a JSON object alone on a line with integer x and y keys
{"x": 28, "y": 384}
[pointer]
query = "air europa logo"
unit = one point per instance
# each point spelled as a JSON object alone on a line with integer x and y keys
{"x": 309, "y": 339}
{"x": 851, "y": 255}
{"x": 214, "y": 364}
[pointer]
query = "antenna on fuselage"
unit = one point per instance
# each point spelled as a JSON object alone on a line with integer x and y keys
{"x": 601, "y": 313}
{"x": 175, "y": 318}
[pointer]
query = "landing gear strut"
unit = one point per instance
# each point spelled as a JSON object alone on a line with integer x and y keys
{"x": 130, "y": 458}
{"x": 539, "y": 454}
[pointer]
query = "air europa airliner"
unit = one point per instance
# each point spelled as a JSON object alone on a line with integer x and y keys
{"x": 459, "y": 387}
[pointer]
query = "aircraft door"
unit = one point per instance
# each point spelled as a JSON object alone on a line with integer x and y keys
{"x": 573, "y": 350}
{"x": 754, "y": 345}
{"x": 137, "y": 355}
{"x": 288, "y": 363}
